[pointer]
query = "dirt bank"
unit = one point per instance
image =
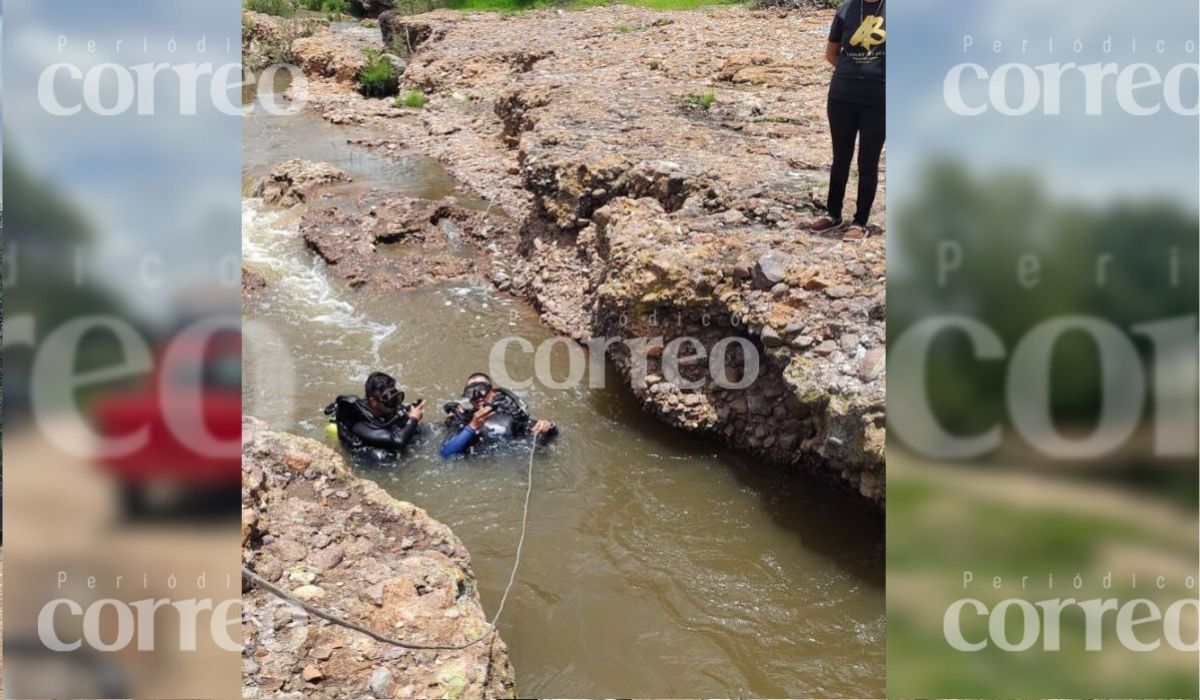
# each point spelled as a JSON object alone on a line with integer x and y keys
{"x": 657, "y": 170}
{"x": 342, "y": 543}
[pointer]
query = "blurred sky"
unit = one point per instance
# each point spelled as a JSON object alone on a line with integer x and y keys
{"x": 1077, "y": 156}
{"x": 166, "y": 184}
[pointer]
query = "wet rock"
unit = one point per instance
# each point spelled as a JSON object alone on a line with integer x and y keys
{"x": 350, "y": 241}
{"x": 253, "y": 285}
{"x": 296, "y": 181}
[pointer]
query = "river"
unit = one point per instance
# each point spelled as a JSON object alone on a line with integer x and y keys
{"x": 657, "y": 564}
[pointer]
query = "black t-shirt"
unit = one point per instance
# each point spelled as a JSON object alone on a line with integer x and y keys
{"x": 861, "y": 67}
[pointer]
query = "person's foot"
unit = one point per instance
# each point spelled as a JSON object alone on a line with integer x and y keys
{"x": 855, "y": 232}
{"x": 823, "y": 224}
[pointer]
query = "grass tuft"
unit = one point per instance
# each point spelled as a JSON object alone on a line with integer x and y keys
{"x": 700, "y": 100}
{"x": 277, "y": 8}
{"x": 378, "y": 78}
{"x": 413, "y": 99}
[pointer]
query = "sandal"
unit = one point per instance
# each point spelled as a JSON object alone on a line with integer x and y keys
{"x": 825, "y": 223}
{"x": 854, "y": 232}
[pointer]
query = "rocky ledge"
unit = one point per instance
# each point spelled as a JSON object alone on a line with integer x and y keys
{"x": 656, "y": 171}
{"x": 310, "y": 527}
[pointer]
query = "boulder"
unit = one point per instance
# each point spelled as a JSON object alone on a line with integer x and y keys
{"x": 381, "y": 683}
{"x": 770, "y": 270}
{"x": 872, "y": 365}
{"x": 758, "y": 67}
{"x": 253, "y": 285}
{"x": 296, "y": 181}
{"x": 771, "y": 337}
{"x": 417, "y": 587}
{"x": 326, "y": 57}
{"x": 349, "y": 240}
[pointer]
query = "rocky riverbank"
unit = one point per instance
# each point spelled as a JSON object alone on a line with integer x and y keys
{"x": 655, "y": 171}
{"x": 340, "y": 542}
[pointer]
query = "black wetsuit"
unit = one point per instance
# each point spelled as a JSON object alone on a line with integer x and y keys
{"x": 367, "y": 434}
{"x": 510, "y": 420}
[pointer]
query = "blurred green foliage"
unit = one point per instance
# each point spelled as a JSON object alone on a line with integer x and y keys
{"x": 943, "y": 521}
{"x": 999, "y": 219}
{"x": 278, "y": 8}
{"x": 43, "y": 234}
{"x": 1016, "y": 513}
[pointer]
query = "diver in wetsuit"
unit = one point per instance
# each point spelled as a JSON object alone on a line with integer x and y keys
{"x": 491, "y": 415}
{"x": 380, "y": 426}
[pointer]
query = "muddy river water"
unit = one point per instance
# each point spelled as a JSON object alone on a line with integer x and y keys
{"x": 657, "y": 564}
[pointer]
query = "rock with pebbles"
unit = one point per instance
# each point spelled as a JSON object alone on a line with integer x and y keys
{"x": 770, "y": 270}
{"x": 283, "y": 477}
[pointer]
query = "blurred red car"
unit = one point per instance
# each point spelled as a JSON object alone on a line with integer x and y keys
{"x": 192, "y": 405}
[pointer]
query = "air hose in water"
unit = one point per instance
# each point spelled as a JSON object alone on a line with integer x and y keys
{"x": 491, "y": 627}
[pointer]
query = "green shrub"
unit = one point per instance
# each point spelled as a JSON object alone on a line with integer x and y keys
{"x": 378, "y": 78}
{"x": 278, "y": 8}
{"x": 413, "y": 99}
{"x": 332, "y": 8}
{"x": 701, "y": 101}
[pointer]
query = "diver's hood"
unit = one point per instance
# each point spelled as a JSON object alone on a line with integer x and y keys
{"x": 351, "y": 410}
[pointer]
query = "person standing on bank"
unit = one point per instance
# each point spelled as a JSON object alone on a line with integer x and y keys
{"x": 856, "y": 108}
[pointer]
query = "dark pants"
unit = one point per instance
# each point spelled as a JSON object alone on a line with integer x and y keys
{"x": 848, "y": 122}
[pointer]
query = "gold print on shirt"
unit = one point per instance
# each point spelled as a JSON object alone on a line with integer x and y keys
{"x": 870, "y": 33}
